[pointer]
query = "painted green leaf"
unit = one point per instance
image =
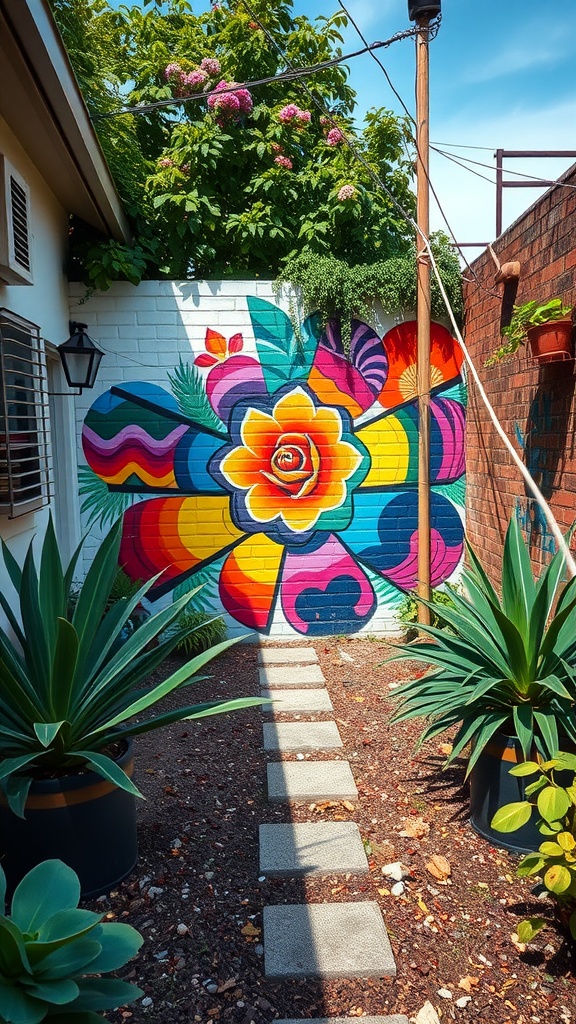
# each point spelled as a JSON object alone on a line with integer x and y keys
{"x": 275, "y": 342}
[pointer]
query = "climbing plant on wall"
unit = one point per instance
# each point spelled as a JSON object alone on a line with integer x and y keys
{"x": 287, "y": 475}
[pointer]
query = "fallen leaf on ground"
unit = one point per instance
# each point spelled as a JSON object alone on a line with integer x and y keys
{"x": 230, "y": 983}
{"x": 468, "y": 982}
{"x": 249, "y": 929}
{"x": 520, "y": 946}
{"x": 348, "y": 805}
{"x": 438, "y": 867}
{"x": 445, "y": 748}
{"x": 414, "y": 828}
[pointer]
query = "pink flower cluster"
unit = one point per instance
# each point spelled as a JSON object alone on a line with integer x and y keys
{"x": 293, "y": 113}
{"x": 334, "y": 137}
{"x": 346, "y": 192}
{"x": 230, "y": 106}
{"x": 185, "y": 83}
{"x": 211, "y": 66}
{"x": 284, "y": 161}
{"x": 166, "y": 162}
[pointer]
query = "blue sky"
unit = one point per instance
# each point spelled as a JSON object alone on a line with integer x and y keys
{"x": 502, "y": 75}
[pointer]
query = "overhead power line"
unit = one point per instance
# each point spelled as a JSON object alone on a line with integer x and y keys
{"x": 291, "y": 75}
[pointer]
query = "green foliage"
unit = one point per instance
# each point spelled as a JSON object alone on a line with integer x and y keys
{"x": 508, "y": 662}
{"x": 531, "y": 314}
{"x": 201, "y": 632}
{"x": 100, "y": 504}
{"x": 52, "y": 953}
{"x": 214, "y": 196}
{"x": 555, "y": 860}
{"x": 190, "y": 393}
{"x": 408, "y": 609}
{"x": 66, "y": 686}
{"x": 343, "y": 290}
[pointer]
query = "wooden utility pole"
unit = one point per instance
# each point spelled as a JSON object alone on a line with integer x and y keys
{"x": 423, "y": 311}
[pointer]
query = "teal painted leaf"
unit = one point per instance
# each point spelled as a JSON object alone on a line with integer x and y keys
{"x": 277, "y": 347}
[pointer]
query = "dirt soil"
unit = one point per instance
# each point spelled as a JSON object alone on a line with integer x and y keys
{"x": 197, "y": 894}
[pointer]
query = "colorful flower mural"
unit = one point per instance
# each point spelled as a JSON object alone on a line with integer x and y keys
{"x": 291, "y": 473}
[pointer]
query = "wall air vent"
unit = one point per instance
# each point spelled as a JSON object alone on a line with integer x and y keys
{"x": 15, "y": 248}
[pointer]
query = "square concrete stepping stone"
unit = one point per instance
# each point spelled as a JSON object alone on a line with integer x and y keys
{"x": 301, "y": 736}
{"x": 312, "y": 848}
{"x": 295, "y": 676}
{"x": 395, "y": 1019}
{"x": 287, "y": 656}
{"x": 310, "y": 780}
{"x": 291, "y": 701}
{"x": 327, "y": 940}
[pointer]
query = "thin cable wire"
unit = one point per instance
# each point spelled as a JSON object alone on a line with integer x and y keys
{"x": 530, "y": 482}
{"x": 379, "y": 62}
{"x": 415, "y": 142}
{"x": 293, "y": 74}
{"x": 517, "y": 174}
{"x": 458, "y": 161}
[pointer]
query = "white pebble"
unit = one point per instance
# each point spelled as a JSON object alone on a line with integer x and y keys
{"x": 397, "y": 889}
{"x": 147, "y": 1001}
{"x": 182, "y": 929}
{"x": 444, "y": 993}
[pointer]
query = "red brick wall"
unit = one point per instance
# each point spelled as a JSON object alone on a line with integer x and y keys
{"x": 536, "y": 405}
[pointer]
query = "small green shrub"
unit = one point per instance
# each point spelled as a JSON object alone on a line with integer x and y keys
{"x": 52, "y": 952}
{"x": 555, "y": 860}
{"x": 201, "y": 632}
{"x": 408, "y": 610}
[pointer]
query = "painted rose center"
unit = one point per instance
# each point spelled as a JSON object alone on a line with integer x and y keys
{"x": 294, "y": 465}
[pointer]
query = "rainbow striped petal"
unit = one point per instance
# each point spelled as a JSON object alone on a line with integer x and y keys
{"x": 249, "y": 579}
{"x": 392, "y": 441}
{"x": 323, "y": 590}
{"x": 384, "y": 536}
{"x": 175, "y": 536}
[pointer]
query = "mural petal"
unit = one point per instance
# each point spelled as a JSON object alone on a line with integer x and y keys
{"x": 400, "y": 345}
{"x": 249, "y": 580}
{"x": 174, "y": 536}
{"x": 324, "y": 590}
{"x": 138, "y": 445}
{"x": 384, "y": 535}
{"x": 392, "y": 441}
{"x": 237, "y": 377}
{"x": 352, "y": 383}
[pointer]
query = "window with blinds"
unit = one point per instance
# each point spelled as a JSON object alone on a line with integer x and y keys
{"x": 25, "y": 456}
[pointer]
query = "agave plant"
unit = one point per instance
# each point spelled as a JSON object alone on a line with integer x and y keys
{"x": 51, "y": 952}
{"x": 67, "y": 689}
{"x": 507, "y": 663}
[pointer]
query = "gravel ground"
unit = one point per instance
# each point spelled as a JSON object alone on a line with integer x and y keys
{"x": 197, "y": 895}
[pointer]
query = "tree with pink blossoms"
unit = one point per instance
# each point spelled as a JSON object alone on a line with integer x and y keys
{"x": 223, "y": 179}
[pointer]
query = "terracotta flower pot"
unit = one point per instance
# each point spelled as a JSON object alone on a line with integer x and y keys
{"x": 552, "y": 341}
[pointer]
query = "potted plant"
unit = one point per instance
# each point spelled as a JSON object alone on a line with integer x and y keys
{"x": 553, "y": 795}
{"x": 546, "y": 326}
{"x": 504, "y": 675}
{"x": 52, "y": 953}
{"x": 71, "y": 699}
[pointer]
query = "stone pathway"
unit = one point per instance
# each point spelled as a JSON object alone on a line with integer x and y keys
{"x": 335, "y": 940}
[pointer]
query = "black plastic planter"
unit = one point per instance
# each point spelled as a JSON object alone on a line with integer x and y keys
{"x": 492, "y": 786}
{"x": 80, "y": 819}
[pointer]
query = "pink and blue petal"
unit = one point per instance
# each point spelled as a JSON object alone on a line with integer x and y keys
{"x": 354, "y": 383}
{"x": 384, "y": 536}
{"x": 323, "y": 589}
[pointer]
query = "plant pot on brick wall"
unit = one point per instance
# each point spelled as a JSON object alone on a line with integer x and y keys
{"x": 552, "y": 341}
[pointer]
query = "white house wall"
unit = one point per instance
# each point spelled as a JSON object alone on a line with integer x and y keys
{"x": 44, "y": 303}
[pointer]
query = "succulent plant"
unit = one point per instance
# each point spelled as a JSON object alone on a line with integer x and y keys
{"x": 52, "y": 952}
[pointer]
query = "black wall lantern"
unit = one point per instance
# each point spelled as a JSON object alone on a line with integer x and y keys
{"x": 423, "y": 9}
{"x": 80, "y": 357}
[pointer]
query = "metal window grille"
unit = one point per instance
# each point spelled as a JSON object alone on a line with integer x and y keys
{"x": 25, "y": 450}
